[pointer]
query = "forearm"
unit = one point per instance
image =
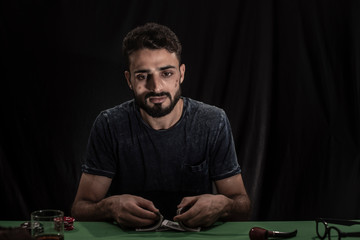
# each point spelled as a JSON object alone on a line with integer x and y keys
{"x": 92, "y": 211}
{"x": 237, "y": 208}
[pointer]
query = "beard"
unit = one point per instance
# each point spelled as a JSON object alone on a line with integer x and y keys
{"x": 158, "y": 110}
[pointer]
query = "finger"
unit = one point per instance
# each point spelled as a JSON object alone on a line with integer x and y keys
{"x": 189, "y": 221}
{"x": 140, "y": 212}
{"x": 186, "y": 201}
{"x": 146, "y": 204}
{"x": 187, "y": 215}
{"x": 198, "y": 218}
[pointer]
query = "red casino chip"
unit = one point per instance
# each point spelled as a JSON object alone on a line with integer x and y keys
{"x": 69, "y": 223}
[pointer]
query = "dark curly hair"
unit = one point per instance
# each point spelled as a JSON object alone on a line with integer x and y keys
{"x": 151, "y": 36}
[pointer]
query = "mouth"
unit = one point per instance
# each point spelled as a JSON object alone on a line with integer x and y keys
{"x": 157, "y": 99}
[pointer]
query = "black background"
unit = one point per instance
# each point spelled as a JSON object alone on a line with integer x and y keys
{"x": 287, "y": 73}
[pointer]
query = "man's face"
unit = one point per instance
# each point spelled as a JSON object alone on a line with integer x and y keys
{"x": 155, "y": 77}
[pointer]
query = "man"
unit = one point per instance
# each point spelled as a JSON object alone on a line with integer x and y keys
{"x": 160, "y": 152}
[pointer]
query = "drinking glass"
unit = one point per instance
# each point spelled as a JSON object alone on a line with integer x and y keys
{"x": 47, "y": 224}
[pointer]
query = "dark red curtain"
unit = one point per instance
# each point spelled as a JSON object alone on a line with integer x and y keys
{"x": 287, "y": 73}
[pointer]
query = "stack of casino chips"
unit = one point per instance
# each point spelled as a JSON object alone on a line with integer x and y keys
{"x": 69, "y": 223}
{"x": 38, "y": 227}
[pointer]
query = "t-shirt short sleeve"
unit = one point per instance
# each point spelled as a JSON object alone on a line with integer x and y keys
{"x": 224, "y": 162}
{"x": 100, "y": 158}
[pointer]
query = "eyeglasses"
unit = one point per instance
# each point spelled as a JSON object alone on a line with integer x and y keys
{"x": 323, "y": 230}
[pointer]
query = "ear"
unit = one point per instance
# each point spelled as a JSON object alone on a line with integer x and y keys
{"x": 128, "y": 77}
{"x": 182, "y": 73}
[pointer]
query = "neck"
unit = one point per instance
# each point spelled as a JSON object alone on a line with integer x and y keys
{"x": 166, "y": 121}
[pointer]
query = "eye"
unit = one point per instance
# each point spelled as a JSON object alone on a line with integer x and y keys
{"x": 167, "y": 74}
{"x": 141, "y": 76}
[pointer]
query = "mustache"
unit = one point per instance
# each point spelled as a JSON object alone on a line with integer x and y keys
{"x": 152, "y": 94}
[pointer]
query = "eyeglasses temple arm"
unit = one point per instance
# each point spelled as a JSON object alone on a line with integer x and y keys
{"x": 340, "y": 221}
{"x": 352, "y": 234}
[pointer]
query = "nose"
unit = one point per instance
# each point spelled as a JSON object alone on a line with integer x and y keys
{"x": 154, "y": 83}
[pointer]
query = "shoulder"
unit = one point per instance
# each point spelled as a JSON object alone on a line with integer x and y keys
{"x": 119, "y": 111}
{"x": 203, "y": 111}
{"x": 117, "y": 115}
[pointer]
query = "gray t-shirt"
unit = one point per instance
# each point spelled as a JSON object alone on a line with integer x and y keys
{"x": 162, "y": 165}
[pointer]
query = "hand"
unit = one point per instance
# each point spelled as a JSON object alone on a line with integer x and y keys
{"x": 204, "y": 209}
{"x": 132, "y": 211}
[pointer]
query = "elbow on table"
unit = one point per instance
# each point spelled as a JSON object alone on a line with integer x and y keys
{"x": 75, "y": 211}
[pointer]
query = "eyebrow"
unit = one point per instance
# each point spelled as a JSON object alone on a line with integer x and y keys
{"x": 160, "y": 69}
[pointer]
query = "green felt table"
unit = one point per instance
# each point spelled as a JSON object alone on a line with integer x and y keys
{"x": 228, "y": 230}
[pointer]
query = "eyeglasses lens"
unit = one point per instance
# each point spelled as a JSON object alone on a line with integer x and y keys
{"x": 334, "y": 234}
{"x": 321, "y": 229}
